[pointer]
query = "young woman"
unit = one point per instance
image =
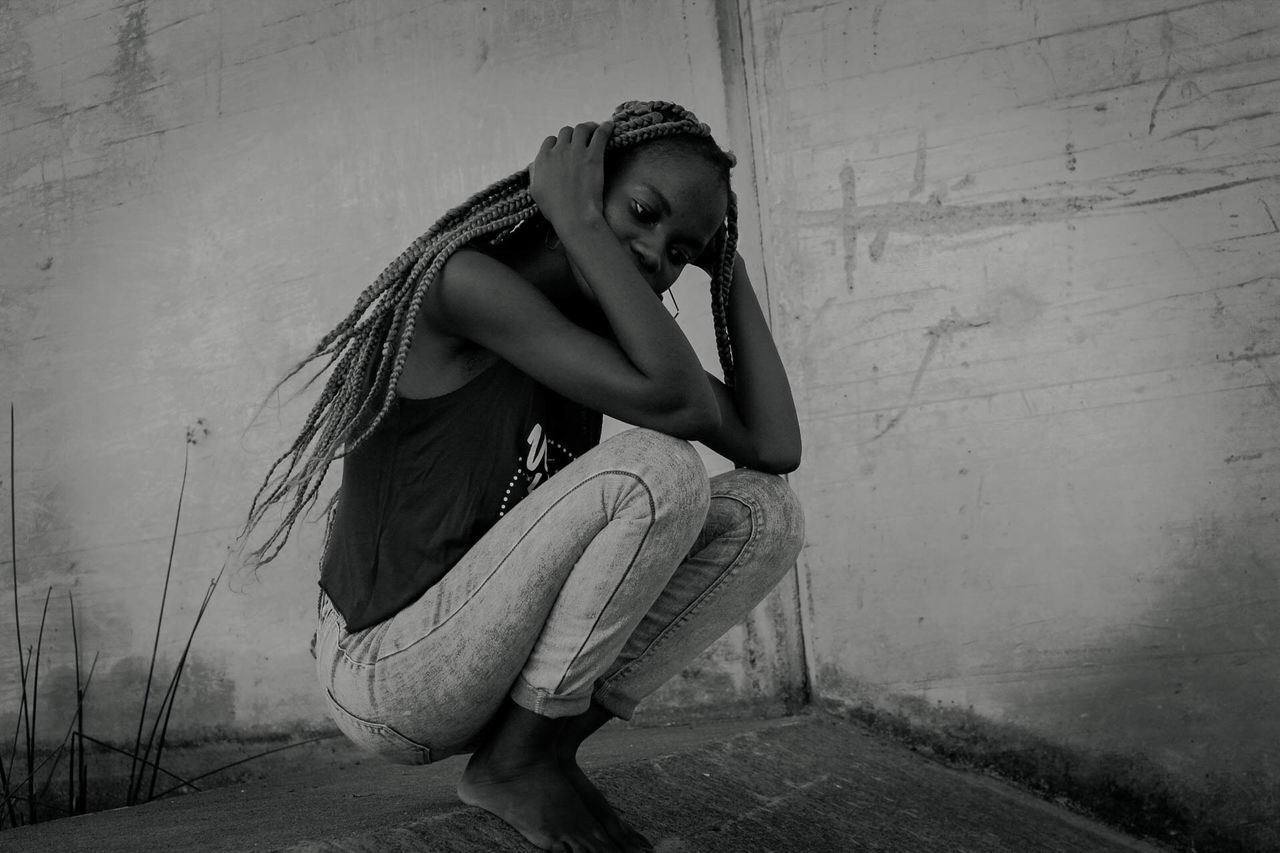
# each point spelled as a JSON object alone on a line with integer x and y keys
{"x": 495, "y": 579}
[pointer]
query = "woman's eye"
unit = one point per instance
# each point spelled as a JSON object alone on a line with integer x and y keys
{"x": 642, "y": 212}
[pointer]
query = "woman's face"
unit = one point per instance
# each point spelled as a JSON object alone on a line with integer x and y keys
{"x": 665, "y": 208}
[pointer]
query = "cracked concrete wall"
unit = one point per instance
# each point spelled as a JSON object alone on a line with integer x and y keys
{"x": 191, "y": 193}
{"x": 1024, "y": 261}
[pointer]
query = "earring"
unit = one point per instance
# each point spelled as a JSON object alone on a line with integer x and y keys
{"x": 663, "y": 298}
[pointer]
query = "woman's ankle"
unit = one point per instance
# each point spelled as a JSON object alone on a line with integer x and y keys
{"x": 518, "y": 737}
{"x": 577, "y": 729}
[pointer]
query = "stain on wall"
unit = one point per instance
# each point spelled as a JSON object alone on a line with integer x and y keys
{"x": 131, "y": 72}
{"x": 203, "y": 708}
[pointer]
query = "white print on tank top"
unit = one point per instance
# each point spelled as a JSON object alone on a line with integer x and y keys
{"x": 534, "y": 468}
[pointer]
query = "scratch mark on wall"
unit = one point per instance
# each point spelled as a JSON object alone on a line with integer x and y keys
{"x": 1026, "y": 404}
{"x": 943, "y": 328}
{"x": 1270, "y": 215}
{"x": 1273, "y": 387}
{"x": 875, "y": 26}
{"x": 217, "y": 101}
{"x": 1167, "y": 45}
{"x": 917, "y": 178}
{"x": 886, "y": 312}
{"x": 1164, "y": 90}
{"x": 934, "y": 217}
{"x": 1221, "y": 124}
{"x": 1203, "y": 191}
{"x": 849, "y": 207}
{"x": 1257, "y": 359}
{"x": 157, "y": 132}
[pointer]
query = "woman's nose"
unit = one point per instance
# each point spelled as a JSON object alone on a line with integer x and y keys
{"x": 646, "y": 258}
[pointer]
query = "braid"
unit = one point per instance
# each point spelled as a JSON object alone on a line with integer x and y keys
{"x": 720, "y": 284}
{"x": 364, "y": 355}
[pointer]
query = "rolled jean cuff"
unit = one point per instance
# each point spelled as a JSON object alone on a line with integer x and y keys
{"x": 615, "y": 702}
{"x": 546, "y": 704}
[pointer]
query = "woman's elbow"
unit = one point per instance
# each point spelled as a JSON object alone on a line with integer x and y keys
{"x": 778, "y": 462}
{"x": 694, "y": 422}
{"x": 693, "y": 416}
{"x": 778, "y": 457}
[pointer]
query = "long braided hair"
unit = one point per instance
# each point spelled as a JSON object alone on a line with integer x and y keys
{"x": 365, "y": 353}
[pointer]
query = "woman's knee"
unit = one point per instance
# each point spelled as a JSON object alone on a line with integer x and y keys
{"x": 774, "y": 507}
{"x": 670, "y": 467}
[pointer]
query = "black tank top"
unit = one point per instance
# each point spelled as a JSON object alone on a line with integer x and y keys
{"x": 434, "y": 477}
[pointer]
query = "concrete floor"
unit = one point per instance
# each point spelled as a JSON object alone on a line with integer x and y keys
{"x": 808, "y": 783}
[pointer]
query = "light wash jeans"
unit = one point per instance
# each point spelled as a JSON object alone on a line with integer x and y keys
{"x": 604, "y": 582}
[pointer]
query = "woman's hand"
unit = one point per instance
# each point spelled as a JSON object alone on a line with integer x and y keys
{"x": 566, "y": 179}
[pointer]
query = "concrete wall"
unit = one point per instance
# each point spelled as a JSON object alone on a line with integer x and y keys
{"x": 1020, "y": 256}
{"x": 191, "y": 193}
{"x": 1025, "y": 266}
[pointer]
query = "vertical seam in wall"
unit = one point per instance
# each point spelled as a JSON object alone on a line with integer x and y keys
{"x": 736, "y": 69}
{"x": 737, "y": 46}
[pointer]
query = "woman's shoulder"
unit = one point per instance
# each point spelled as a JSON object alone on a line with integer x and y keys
{"x": 473, "y": 286}
{"x": 440, "y": 359}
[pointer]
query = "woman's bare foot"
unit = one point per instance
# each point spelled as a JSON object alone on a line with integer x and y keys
{"x": 603, "y": 810}
{"x": 517, "y": 776}
{"x": 571, "y": 735}
{"x": 539, "y": 802}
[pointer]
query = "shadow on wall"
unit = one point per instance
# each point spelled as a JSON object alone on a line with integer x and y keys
{"x": 204, "y": 705}
{"x": 1170, "y": 730}
{"x": 1196, "y": 680}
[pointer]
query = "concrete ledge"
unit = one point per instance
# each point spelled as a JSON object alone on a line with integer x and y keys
{"x": 808, "y": 783}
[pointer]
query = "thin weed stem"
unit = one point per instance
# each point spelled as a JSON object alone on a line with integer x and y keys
{"x": 22, "y": 802}
{"x": 35, "y": 699}
{"x": 50, "y": 805}
{"x": 53, "y": 756}
{"x": 76, "y": 795}
{"x": 73, "y": 765}
{"x": 315, "y": 739}
{"x": 17, "y": 620}
{"x": 177, "y": 675}
{"x": 113, "y": 748}
{"x": 135, "y": 786}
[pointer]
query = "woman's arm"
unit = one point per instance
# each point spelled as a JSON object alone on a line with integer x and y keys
{"x": 758, "y": 423}
{"x": 647, "y": 375}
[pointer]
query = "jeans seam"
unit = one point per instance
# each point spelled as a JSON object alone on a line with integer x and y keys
{"x": 653, "y": 513}
{"x": 689, "y": 612}
{"x": 529, "y": 530}
{"x": 375, "y": 728}
{"x": 347, "y": 657}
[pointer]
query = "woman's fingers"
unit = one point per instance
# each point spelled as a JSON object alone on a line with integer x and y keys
{"x": 600, "y": 138}
{"x": 567, "y": 174}
{"x": 588, "y": 134}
